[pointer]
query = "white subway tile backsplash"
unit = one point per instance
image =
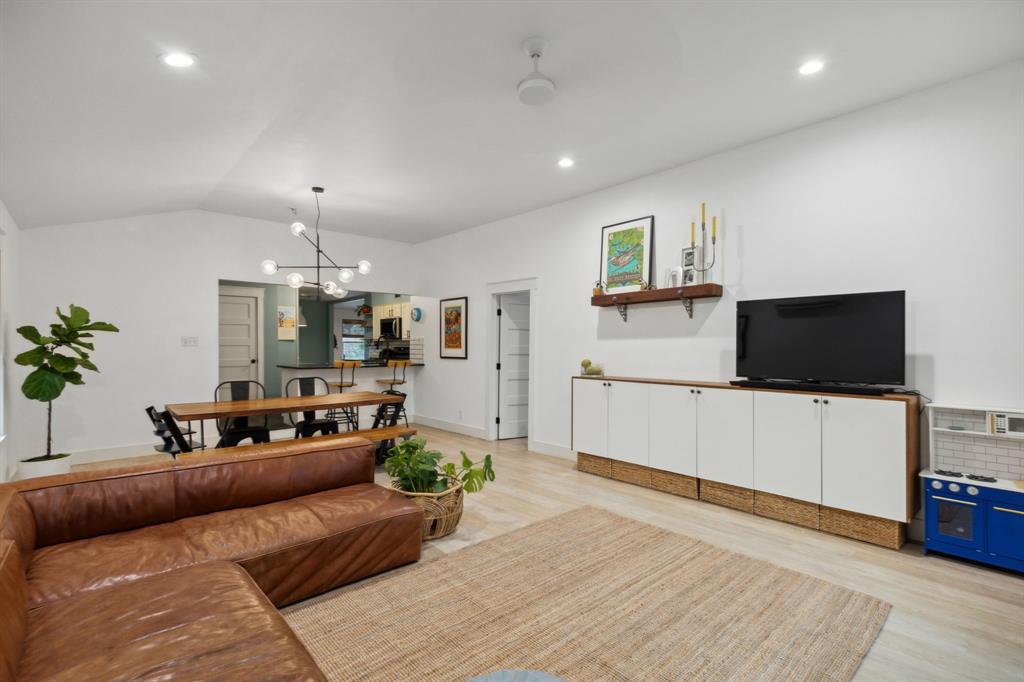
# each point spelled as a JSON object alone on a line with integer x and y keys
{"x": 973, "y": 453}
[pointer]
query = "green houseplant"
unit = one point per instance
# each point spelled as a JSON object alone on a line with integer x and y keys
{"x": 420, "y": 475}
{"x": 56, "y": 357}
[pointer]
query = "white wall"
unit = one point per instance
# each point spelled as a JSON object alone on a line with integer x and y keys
{"x": 10, "y": 260}
{"x": 156, "y": 277}
{"x": 924, "y": 193}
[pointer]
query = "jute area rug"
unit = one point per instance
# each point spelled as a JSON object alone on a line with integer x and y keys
{"x": 589, "y": 595}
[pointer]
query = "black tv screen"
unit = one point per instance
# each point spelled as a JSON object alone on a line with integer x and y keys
{"x": 850, "y": 338}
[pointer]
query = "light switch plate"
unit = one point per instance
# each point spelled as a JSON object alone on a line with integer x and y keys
{"x": 190, "y": 341}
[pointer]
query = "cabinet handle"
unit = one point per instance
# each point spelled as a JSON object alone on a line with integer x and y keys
{"x": 825, "y": 401}
{"x": 815, "y": 401}
{"x": 698, "y": 392}
{"x": 950, "y": 499}
{"x": 693, "y": 390}
{"x": 1009, "y": 511}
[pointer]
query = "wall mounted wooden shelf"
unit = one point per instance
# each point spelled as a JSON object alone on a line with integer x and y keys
{"x": 684, "y": 294}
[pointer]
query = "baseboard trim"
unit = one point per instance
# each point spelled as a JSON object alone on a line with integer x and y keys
{"x": 448, "y": 426}
{"x": 550, "y": 449}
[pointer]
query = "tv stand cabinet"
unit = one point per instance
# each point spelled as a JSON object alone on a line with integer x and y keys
{"x": 844, "y": 464}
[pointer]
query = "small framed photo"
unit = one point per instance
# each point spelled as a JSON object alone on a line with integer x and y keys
{"x": 626, "y": 254}
{"x": 454, "y": 321}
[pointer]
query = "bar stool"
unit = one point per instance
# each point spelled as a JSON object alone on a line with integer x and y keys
{"x": 309, "y": 424}
{"x": 346, "y": 415}
{"x": 396, "y": 365}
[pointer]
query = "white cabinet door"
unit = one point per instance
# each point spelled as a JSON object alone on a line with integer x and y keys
{"x": 590, "y": 416}
{"x": 725, "y": 436}
{"x": 407, "y": 320}
{"x": 787, "y": 445}
{"x": 673, "y": 429}
{"x": 864, "y": 456}
{"x": 628, "y": 435}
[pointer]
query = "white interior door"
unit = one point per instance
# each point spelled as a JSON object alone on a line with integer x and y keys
{"x": 239, "y": 338}
{"x": 787, "y": 445}
{"x": 514, "y": 365}
{"x": 673, "y": 429}
{"x": 590, "y": 416}
{"x": 725, "y": 436}
{"x": 864, "y": 456}
{"x": 628, "y": 434}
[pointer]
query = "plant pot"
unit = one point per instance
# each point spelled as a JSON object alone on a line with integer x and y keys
{"x": 441, "y": 511}
{"x": 46, "y": 466}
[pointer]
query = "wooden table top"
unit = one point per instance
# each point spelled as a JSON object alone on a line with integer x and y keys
{"x": 248, "y": 408}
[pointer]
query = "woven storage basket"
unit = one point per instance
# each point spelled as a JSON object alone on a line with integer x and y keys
{"x": 441, "y": 511}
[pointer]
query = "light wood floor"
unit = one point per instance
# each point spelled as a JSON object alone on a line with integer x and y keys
{"x": 950, "y": 620}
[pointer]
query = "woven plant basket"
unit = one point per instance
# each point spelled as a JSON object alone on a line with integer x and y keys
{"x": 441, "y": 511}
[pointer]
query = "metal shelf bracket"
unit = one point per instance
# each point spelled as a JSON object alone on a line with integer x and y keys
{"x": 623, "y": 310}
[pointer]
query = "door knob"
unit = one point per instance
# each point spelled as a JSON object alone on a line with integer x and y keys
{"x": 252, "y": 362}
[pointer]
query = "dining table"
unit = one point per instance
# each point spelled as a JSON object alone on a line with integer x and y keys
{"x": 229, "y": 409}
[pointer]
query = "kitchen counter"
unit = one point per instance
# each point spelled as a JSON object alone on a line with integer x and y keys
{"x": 366, "y": 364}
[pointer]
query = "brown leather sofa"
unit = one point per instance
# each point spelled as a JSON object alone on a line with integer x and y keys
{"x": 173, "y": 570}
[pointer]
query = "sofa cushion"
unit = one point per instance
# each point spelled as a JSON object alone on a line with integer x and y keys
{"x": 314, "y": 543}
{"x": 66, "y": 569}
{"x": 241, "y": 533}
{"x": 207, "y": 621}
{"x": 13, "y": 608}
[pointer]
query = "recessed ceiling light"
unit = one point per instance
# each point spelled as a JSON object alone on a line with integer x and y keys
{"x": 566, "y": 162}
{"x": 178, "y": 60}
{"x": 811, "y": 67}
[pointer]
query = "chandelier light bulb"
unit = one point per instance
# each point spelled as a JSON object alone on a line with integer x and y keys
{"x": 330, "y": 287}
{"x": 340, "y": 293}
{"x": 364, "y": 267}
{"x": 295, "y": 280}
{"x": 298, "y": 229}
{"x": 269, "y": 267}
{"x": 345, "y": 275}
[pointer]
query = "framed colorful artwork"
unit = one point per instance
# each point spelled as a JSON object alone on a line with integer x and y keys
{"x": 626, "y": 254}
{"x": 285, "y": 323}
{"x": 454, "y": 328}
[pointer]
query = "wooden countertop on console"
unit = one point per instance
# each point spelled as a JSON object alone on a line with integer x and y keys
{"x": 722, "y": 384}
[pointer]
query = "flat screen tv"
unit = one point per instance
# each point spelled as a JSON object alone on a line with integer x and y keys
{"x": 847, "y": 338}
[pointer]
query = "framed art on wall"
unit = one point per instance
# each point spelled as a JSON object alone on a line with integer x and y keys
{"x": 454, "y": 328}
{"x": 626, "y": 254}
{"x": 285, "y": 323}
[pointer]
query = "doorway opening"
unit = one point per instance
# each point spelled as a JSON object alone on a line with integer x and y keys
{"x": 513, "y": 366}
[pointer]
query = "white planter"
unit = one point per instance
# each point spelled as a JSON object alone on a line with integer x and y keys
{"x": 47, "y": 467}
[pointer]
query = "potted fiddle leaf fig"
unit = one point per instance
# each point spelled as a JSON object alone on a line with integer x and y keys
{"x": 56, "y": 357}
{"x": 436, "y": 487}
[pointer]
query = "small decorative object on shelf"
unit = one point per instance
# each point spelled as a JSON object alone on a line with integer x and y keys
{"x": 437, "y": 488}
{"x": 590, "y": 369}
{"x": 699, "y": 263}
{"x": 598, "y": 288}
{"x": 364, "y": 310}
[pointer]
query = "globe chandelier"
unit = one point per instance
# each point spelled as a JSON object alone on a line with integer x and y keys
{"x": 345, "y": 273}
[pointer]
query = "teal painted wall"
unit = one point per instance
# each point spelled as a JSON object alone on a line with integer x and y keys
{"x": 315, "y": 339}
{"x": 274, "y": 352}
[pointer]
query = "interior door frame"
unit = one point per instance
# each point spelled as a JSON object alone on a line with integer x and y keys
{"x": 531, "y": 286}
{"x": 251, "y": 292}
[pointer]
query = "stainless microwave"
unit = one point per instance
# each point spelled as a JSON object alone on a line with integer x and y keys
{"x": 391, "y": 328}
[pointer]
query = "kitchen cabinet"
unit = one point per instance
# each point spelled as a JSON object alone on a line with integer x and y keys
{"x": 406, "y": 315}
{"x": 628, "y": 417}
{"x": 673, "y": 429}
{"x": 725, "y": 436}
{"x": 787, "y": 445}
{"x": 590, "y": 417}
{"x": 864, "y": 456}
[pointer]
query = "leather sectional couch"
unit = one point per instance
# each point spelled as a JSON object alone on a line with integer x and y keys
{"x": 174, "y": 570}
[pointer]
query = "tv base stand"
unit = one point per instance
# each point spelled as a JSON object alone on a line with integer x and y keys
{"x": 811, "y": 387}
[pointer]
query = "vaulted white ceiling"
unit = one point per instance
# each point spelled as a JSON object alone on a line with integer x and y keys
{"x": 406, "y": 111}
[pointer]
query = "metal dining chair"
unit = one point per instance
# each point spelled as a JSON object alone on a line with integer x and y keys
{"x": 396, "y": 380}
{"x": 234, "y": 430}
{"x": 349, "y": 416}
{"x": 310, "y": 424}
